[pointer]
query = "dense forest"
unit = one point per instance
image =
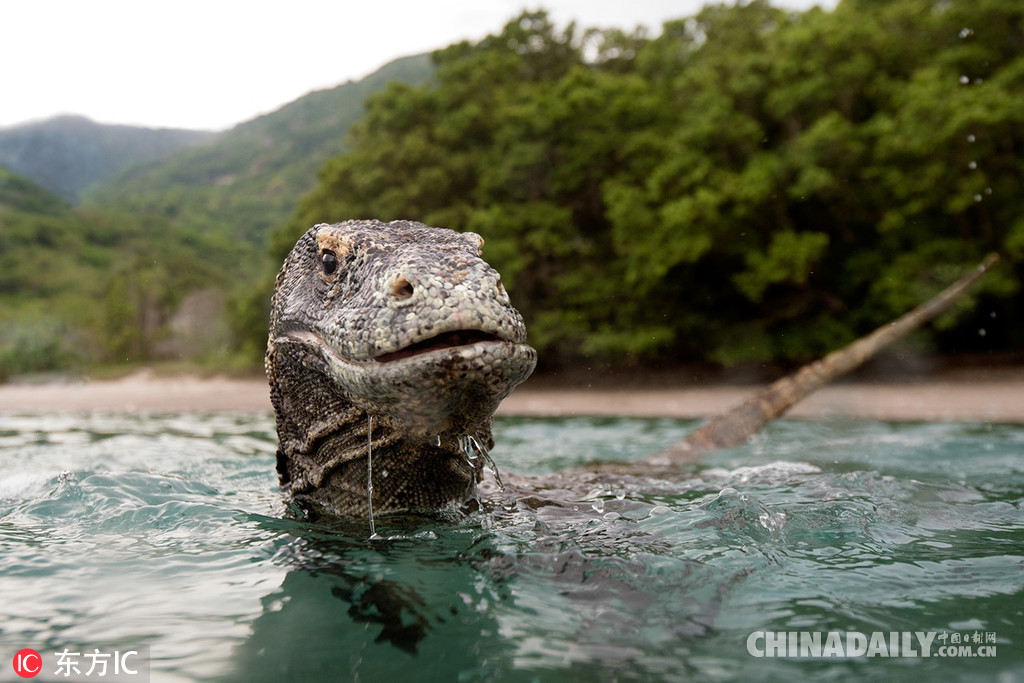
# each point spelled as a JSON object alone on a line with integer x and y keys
{"x": 79, "y": 288}
{"x": 750, "y": 184}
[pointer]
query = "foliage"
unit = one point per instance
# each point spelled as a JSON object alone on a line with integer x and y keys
{"x": 752, "y": 184}
{"x": 21, "y": 194}
{"x": 104, "y": 282}
{"x": 77, "y": 287}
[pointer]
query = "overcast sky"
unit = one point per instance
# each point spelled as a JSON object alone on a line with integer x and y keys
{"x": 209, "y": 64}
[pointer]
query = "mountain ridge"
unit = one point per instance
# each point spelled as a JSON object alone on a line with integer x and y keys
{"x": 68, "y": 154}
{"x": 243, "y": 181}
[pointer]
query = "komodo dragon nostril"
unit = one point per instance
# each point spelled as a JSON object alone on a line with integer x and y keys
{"x": 401, "y": 288}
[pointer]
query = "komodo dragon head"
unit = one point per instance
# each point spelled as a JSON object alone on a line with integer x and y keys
{"x": 394, "y": 339}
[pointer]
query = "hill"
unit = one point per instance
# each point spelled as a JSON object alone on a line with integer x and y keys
{"x": 242, "y": 182}
{"x": 21, "y": 194}
{"x": 67, "y": 155}
{"x": 79, "y": 287}
{"x": 148, "y": 265}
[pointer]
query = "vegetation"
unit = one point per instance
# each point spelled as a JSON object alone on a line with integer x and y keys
{"x": 78, "y": 287}
{"x": 117, "y": 279}
{"x": 752, "y": 184}
{"x": 749, "y": 185}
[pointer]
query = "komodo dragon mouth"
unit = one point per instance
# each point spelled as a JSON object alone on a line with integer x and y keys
{"x": 446, "y": 382}
{"x": 446, "y": 340}
{"x": 464, "y": 344}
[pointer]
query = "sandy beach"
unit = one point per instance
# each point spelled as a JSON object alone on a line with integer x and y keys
{"x": 971, "y": 397}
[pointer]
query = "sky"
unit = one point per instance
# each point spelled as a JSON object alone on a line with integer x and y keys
{"x": 210, "y": 64}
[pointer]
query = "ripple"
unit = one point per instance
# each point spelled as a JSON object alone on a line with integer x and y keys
{"x": 170, "y": 530}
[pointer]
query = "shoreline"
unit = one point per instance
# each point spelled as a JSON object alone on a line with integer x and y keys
{"x": 982, "y": 398}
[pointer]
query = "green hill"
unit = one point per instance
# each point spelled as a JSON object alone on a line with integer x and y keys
{"x": 21, "y": 194}
{"x": 79, "y": 287}
{"x": 242, "y": 182}
{"x": 161, "y": 262}
{"x": 69, "y": 154}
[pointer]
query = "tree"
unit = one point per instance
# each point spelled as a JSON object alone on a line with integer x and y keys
{"x": 752, "y": 184}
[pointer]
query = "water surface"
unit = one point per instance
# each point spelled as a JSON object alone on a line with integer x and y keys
{"x": 169, "y": 530}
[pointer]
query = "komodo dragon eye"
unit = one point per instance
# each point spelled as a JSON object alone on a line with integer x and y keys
{"x": 329, "y": 261}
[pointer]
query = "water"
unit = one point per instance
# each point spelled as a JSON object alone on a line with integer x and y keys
{"x": 169, "y": 531}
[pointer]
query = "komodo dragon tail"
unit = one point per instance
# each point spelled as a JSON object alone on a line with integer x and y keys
{"x": 736, "y": 425}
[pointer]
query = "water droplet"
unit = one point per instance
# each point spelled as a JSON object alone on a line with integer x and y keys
{"x": 977, "y": 197}
{"x": 369, "y": 474}
{"x": 964, "y": 80}
{"x": 972, "y": 165}
{"x": 981, "y": 332}
{"x": 473, "y": 450}
{"x": 966, "y": 32}
{"x": 598, "y": 505}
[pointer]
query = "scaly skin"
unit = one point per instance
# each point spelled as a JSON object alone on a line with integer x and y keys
{"x": 396, "y": 334}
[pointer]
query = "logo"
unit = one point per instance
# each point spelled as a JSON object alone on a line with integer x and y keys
{"x": 850, "y": 644}
{"x": 112, "y": 664}
{"x": 27, "y": 663}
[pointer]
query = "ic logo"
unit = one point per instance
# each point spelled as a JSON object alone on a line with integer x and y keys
{"x": 27, "y": 663}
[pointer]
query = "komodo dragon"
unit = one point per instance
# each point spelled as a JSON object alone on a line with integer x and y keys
{"x": 392, "y": 344}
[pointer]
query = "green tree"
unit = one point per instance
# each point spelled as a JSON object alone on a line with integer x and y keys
{"x": 751, "y": 184}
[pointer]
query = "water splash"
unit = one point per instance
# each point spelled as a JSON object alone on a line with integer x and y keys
{"x": 369, "y": 474}
{"x": 473, "y": 450}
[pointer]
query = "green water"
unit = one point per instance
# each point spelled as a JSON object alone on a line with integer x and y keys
{"x": 169, "y": 531}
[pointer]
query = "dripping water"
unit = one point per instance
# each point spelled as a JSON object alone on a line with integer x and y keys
{"x": 369, "y": 473}
{"x": 473, "y": 449}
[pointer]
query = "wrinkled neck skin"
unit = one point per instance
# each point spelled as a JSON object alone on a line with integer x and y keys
{"x": 326, "y": 437}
